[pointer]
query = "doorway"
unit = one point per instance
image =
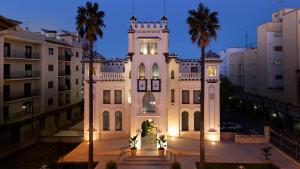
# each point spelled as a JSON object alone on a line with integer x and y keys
{"x": 149, "y": 134}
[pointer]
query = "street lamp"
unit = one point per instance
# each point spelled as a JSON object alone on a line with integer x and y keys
{"x": 24, "y": 106}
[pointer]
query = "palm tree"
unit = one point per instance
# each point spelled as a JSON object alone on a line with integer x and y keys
{"x": 89, "y": 22}
{"x": 203, "y": 26}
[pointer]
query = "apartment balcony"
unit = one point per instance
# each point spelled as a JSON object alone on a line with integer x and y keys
{"x": 110, "y": 76}
{"x": 190, "y": 76}
{"x": 22, "y": 75}
{"x": 64, "y": 58}
{"x": 64, "y": 73}
{"x": 20, "y": 54}
{"x": 21, "y": 116}
{"x": 20, "y": 96}
{"x": 64, "y": 88}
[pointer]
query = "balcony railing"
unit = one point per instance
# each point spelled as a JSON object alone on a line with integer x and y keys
{"x": 20, "y": 116}
{"x": 189, "y": 76}
{"x": 64, "y": 58}
{"x": 64, "y": 88}
{"x": 21, "y": 74}
{"x": 21, "y": 54}
{"x": 64, "y": 73}
{"x": 21, "y": 95}
{"x": 109, "y": 76}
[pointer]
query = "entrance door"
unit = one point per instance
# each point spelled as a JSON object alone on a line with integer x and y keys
{"x": 149, "y": 135}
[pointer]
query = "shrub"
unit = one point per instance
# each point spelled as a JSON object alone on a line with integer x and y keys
{"x": 111, "y": 165}
{"x": 175, "y": 165}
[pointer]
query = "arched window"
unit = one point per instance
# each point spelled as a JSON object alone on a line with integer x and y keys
{"x": 118, "y": 121}
{"x": 130, "y": 74}
{"x": 172, "y": 96}
{"x": 172, "y": 74}
{"x": 148, "y": 103}
{"x": 212, "y": 71}
{"x": 155, "y": 71}
{"x": 185, "y": 121}
{"x": 105, "y": 120}
{"x": 197, "y": 115}
{"x": 142, "y": 71}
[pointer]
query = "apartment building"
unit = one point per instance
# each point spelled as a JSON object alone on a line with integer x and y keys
{"x": 250, "y": 59}
{"x": 41, "y": 84}
{"x": 225, "y": 56}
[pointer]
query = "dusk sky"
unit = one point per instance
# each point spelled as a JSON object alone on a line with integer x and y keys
{"x": 236, "y": 18}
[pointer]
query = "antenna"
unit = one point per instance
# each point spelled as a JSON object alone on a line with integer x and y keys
{"x": 246, "y": 36}
{"x": 164, "y": 7}
{"x": 132, "y": 7}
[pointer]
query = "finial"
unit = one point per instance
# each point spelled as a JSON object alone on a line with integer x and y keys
{"x": 132, "y": 7}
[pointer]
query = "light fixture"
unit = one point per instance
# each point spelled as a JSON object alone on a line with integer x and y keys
{"x": 213, "y": 143}
{"x": 24, "y": 106}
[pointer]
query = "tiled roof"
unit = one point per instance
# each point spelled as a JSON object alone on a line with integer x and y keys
{"x": 96, "y": 58}
{"x": 6, "y": 23}
{"x": 211, "y": 54}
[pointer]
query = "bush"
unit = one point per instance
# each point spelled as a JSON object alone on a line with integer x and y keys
{"x": 175, "y": 165}
{"x": 111, "y": 165}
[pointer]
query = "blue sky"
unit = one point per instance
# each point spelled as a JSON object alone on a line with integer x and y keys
{"x": 236, "y": 18}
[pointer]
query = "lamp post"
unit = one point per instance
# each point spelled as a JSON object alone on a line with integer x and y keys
{"x": 24, "y": 106}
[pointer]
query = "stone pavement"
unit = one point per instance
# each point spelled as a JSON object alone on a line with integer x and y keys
{"x": 186, "y": 151}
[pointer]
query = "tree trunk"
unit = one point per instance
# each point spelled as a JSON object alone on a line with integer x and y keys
{"x": 91, "y": 126}
{"x": 202, "y": 143}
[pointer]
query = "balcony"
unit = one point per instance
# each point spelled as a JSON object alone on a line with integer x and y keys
{"x": 190, "y": 76}
{"x": 64, "y": 73}
{"x": 64, "y": 88}
{"x": 17, "y": 96}
{"x": 21, "y": 116}
{"x": 64, "y": 58}
{"x": 22, "y": 75}
{"x": 110, "y": 76}
{"x": 20, "y": 54}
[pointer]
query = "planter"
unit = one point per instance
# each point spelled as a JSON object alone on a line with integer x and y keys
{"x": 161, "y": 152}
{"x": 133, "y": 152}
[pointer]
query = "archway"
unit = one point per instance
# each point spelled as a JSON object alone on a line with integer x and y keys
{"x": 148, "y": 134}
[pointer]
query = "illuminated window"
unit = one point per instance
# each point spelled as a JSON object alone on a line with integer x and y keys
{"x": 155, "y": 71}
{"x": 141, "y": 71}
{"x": 148, "y": 48}
{"x": 212, "y": 71}
{"x": 185, "y": 121}
{"x": 118, "y": 121}
{"x": 149, "y": 102}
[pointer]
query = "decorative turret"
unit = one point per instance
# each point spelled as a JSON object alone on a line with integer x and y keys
{"x": 164, "y": 20}
{"x": 132, "y": 21}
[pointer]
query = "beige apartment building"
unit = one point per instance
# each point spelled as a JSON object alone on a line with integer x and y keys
{"x": 41, "y": 84}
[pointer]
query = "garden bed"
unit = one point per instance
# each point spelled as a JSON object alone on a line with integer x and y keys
{"x": 236, "y": 165}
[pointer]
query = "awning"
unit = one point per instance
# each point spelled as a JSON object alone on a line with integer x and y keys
{"x": 69, "y": 52}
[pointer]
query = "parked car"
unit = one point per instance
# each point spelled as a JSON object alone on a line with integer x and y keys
{"x": 230, "y": 126}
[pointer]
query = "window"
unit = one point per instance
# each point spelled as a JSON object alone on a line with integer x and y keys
{"x": 197, "y": 120}
{"x": 69, "y": 115}
{"x": 105, "y": 120}
{"x": 94, "y": 71}
{"x": 50, "y": 84}
{"x": 6, "y": 50}
{"x": 106, "y": 96}
{"x": 50, "y": 51}
{"x": 194, "y": 69}
{"x": 278, "y": 77}
{"x": 212, "y": 71}
{"x": 278, "y": 48}
{"x": 278, "y": 62}
{"x": 42, "y": 124}
{"x": 77, "y": 68}
{"x": 118, "y": 96}
{"x": 50, "y": 101}
{"x": 15, "y": 134}
{"x": 50, "y": 68}
{"x": 77, "y": 81}
{"x": 185, "y": 121}
{"x": 68, "y": 98}
{"x": 5, "y": 113}
{"x": 196, "y": 96}
{"x": 148, "y": 103}
{"x": 155, "y": 71}
{"x": 28, "y": 51}
{"x": 185, "y": 97}
{"x": 148, "y": 48}
{"x": 130, "y": 74}
{"x": 172, "y": 74}
{"x": 141, "y": 71}
{"x": 172, "y": 96}
{"x": 77, "y": 54}
{"x": 118, "y": 121}
{"x": 28, "y": 70}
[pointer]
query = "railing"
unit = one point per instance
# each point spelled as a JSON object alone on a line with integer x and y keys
{"x": 64, "y": 88}
{"x": 21, "y": 95}
{"x": 21, "y": 74}
{"x": 190, "y": 76}
{"x": 109, "y": 76}
{"x": 21, "y": 54}
{"x": 64, "y": 73}
{"x": 290, "y": 146}
{"x": 64, "y": 58}
{"x": 20, "y": 116}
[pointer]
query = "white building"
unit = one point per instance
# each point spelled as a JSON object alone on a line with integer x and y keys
{"x": 40, "y": 84}
{"x": 152, "y": 85}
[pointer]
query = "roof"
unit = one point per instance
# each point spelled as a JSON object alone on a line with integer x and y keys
{"x": 48, "y": 30}
{"x": 211, "y": 54}
{"x": 164, "y": 18}
{"x": 96, "y": 58}
{"x": 6, "y": 23}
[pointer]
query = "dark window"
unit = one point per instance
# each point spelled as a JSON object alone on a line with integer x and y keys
{"x": 194, "y": 69}
{"x": 106, "y": 96}
{"x": 6, "y": 71}
{"x": 27, "y": 89}
{"x": 77, "y": 81}
{"x": 15, "y": 134}
{"x": 5, "y": 113}
{"x": 69, "y": 115}
{"x": 278, "y": 48}
{"x": 196, "y": 96}
{"x": 106, "y": 120}
{"x": 172, "y": 74}
{"x": 197, "y": 121}
{"x": 50, "y": 85}
{"x": 28, "y": 70}
{"x": 50, "y": 51}
{"x": 172, "y": 96}
{"x": 50, "y": 101}
{"x": 185, "y": 121}
{"x": 42, "y": 124}
{"x": 77, "y": 54}
{"x": 118, "y": 96}
{"x": 185, "y": 97}
{"x": 68, "y": 98}
{"x": 77, "y": 68}
{"x": 6, "y": 91}
{"x": 278, "y": 77}
{"x": 118, "y": 121}
{"x": 28, "y": 51}
{"x": 67, "y": 70}
{"x": 6, "y": 50}
{"x": 50, "y": 68}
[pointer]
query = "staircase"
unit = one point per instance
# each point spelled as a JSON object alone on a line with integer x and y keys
{"x": 146, "y": 159}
